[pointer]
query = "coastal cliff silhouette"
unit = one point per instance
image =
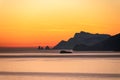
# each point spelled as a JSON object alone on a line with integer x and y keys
{"x": 85, "y": 41}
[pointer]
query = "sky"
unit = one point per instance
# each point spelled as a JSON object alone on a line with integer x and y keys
{"x": 28, "y": 23}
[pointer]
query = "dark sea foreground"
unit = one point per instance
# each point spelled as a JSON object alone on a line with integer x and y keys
{"x": 62, "y": 74}
{"x": 36, "y": 50}
{"x": 36, "y": 53}
{"x": 25, "y": 50}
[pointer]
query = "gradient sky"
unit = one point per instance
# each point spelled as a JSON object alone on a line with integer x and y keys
{"x": 46, "y": 22}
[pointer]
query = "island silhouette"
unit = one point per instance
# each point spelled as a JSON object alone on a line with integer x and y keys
{"x": 85, "y": 41}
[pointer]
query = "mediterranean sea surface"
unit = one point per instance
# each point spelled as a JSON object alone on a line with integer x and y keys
{"x": 56, "y": 66}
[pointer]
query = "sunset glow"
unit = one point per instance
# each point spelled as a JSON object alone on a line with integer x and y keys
{"x": 27, "y": 23}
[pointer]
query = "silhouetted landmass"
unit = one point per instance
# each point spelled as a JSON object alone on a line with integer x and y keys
{"x": 61, "y": 45}
{"x": 110, "y": 44}
{"x": 81, "y": 47}
{"x": 113, "y": 43}
{"x": 83, "y": 39}
{"x": 47, "y": 48}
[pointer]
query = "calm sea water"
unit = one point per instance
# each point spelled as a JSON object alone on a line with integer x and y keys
{"x": 59, "y": 68}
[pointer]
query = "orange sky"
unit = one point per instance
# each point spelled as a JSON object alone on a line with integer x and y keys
{"x": 46, "y": 22}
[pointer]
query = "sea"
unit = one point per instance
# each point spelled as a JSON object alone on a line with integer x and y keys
{"x": 51, "y": 65}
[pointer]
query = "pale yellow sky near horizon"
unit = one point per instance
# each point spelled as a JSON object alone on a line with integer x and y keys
{"x": 46, "y": 22}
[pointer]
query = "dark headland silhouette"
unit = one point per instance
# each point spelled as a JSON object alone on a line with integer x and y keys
{"x": 85, "y": 41}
